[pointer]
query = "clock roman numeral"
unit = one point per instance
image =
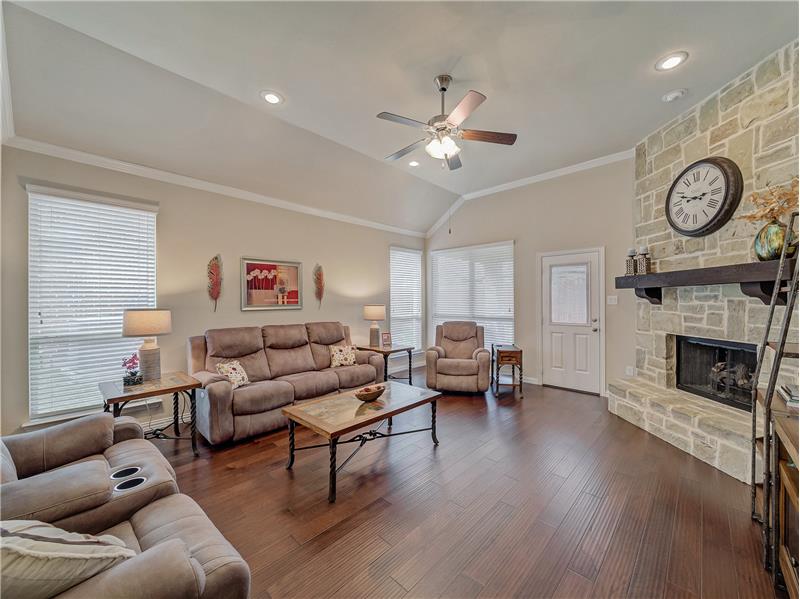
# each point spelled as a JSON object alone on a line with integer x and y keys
{"x": 705, "y": 213}
{"x": 677, "y": 203}
{"x": 694, "y": 219}
{"x": 714, "y": 180}
{"x": 696, "y": 176}
{"x": 686, "y": 182}
{"x": 679, "y": 212}
{"x": 708, "y": 170}
{"x": 685, "y": 219}
{"x": 712, "y": 203}
{"x": 716, "y": 190}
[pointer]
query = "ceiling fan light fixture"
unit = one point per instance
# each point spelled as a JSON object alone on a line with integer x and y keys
{"x": 441, "y": 148}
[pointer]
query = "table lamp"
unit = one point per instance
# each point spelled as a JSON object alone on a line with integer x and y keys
{"x": 147, "y": 323}
{"x": 375, "y": 312}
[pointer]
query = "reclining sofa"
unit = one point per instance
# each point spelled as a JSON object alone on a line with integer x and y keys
{"x": 284, "y": 364}
{"x": 97, "y": 475}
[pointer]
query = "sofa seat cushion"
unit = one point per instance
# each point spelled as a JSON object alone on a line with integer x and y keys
{"x": 354, "y": 376}
{"x": 261, "y": 397}
{"x": 179, "y": 517}
{"x": 125, "y": 533}
{"x": 457, "y": 366}
{"x": 312, "y": 383}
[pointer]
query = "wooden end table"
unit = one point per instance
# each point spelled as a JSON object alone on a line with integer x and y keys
{"x": 387, "y": 351}
{"x": 338, "y": 415}
{"x": 116, "y": 396}
{"x": 507, "y": 355}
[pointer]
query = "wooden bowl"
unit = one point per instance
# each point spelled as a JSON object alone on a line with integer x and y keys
{"x": 370, "y": 393}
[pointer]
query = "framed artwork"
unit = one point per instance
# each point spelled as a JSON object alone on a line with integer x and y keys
{"x": 386, "y": 339}
{"x": 271, "y": 284}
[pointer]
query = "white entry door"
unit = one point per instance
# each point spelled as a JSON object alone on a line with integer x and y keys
{"x": 571, "y": 321}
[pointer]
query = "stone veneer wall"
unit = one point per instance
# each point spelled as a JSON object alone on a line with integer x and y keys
{"x": 753, "y": 120}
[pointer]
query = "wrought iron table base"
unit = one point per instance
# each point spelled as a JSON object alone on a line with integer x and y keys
{"x": 158, "y": 433}
{"x": 387, "y": 376}
{"x": 361, "y": 439}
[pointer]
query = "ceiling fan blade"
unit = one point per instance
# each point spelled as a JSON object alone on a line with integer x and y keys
{"x": 491, "y": 136}
{"x": 468, "y": 103}
{"x": 453, "y": 162}
{"x": 407, "y": 149}
{"x": 402, "y": 120}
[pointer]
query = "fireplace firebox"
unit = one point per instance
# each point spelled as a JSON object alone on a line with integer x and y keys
{"x": 719, "y": 370}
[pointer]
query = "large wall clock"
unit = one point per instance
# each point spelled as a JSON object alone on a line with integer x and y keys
{"x": 704, "y": 196}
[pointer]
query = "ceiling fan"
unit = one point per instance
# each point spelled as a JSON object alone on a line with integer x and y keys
{"x": 442, "y": 129}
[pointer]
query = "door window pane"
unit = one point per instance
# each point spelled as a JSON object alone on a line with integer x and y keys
{"x": 569, "y": 294}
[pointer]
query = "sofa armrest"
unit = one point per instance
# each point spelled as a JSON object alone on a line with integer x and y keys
{"x": 215, "y": 411}
{"x": 127, "y": 427}
{"x": 61, "y": 444}
{"x": 363, "y": 356}
{"x": 480, "y": 350}
{"x": 206, "y": 377}
{"x": 57, "y": 494}
{"x": 164, "y": 571}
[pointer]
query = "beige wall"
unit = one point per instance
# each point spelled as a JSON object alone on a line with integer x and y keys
{"x": 591, "y": 208}
{"x": 192, "y": 227}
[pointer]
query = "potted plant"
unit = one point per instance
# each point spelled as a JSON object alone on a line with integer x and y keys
{"x": 771, "y": 205}
{"x": 132, "y": 374}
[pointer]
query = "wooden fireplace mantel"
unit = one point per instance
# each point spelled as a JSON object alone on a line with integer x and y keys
{"x": 755, "y": 279}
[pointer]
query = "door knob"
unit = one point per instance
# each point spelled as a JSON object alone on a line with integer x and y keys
{"x": 595, "y": 329}
{"x": 594, "y": 320}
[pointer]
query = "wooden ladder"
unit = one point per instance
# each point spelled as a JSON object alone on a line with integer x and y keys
{"x": 763, "y": 500}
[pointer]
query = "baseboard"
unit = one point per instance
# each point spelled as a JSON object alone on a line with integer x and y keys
{"x": 531, "y": 380}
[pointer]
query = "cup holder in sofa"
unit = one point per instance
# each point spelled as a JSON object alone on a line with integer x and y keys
{"x": 125, "y": 472}
{"x": 130, "y": 483}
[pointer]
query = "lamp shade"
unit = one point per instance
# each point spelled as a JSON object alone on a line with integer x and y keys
{"x": 146, "y": 322}
{"x": 374, "y": 312}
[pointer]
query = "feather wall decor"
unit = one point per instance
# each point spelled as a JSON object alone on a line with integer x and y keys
{"x": 319, "y": 283}
{"x": 215, "y": 279}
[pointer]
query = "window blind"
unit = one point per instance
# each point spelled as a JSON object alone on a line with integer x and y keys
{"x": 87, "y": 262}
{"x": 405, "y": 296}
{"x": 475, "y": 283}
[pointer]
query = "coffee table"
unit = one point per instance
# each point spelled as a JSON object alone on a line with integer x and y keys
{"x": 335, "y": 416}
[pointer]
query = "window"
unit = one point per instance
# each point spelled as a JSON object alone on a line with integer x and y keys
{"x": 476, "y": 283}
{"x": 569, "y": 294}
{"x": 87, "y": 261}
{"x": 405, "y": 297}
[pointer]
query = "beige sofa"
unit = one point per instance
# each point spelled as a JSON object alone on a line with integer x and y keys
{"x": 458, "y": 361}
{"x": 82, "y": 476}
{"x": 284, "y": 364}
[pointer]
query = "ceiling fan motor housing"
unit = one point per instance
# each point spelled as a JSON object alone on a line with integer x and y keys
{"x": 443, "y": 82}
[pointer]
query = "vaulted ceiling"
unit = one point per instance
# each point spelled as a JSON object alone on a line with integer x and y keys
{"x": 175, "y": 86}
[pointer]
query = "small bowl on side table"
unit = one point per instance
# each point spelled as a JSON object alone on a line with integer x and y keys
{"x": 370, "y": 393}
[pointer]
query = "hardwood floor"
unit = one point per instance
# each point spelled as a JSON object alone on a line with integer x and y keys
{"x": 548, "y": 496}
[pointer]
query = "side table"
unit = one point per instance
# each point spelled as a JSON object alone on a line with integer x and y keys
{"x": 387, "y": 351}
{"x": 507, "y": 355}
{"x": 116, "y": 396}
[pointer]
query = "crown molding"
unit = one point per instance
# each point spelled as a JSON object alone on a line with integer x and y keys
{"x": 560, "y": 172}
{"x": 7, "y": 123}
{"x": 129, "y": 168}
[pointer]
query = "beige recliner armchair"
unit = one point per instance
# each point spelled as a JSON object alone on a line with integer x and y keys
{"x": 458, "y": 361}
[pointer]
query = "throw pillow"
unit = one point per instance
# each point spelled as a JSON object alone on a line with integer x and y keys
{"x": 38, "y": 560}
{"x": 234, "y": 372}
{"x": 342, "y": 355}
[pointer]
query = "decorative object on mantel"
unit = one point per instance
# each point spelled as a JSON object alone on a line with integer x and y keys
{"x": 148, "y": 323}
{"x": 215, "y": 279}
{"x": 630, "y": 262}
{"x": 132, "y": 375}
{"x": 755, "y": 279}
{"x": 643, "y": 261}
{"x": 704, "y": 196}
{"x": 319, "y": 283}
{"x": 375, "y": 313}
{"x": 771, "y": 205}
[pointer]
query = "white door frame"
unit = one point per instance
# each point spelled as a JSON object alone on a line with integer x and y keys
{"x": 601, "y": 252}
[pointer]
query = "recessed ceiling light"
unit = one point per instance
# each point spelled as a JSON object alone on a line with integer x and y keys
{"x": 413, "y": 163}
{"x": 670, "y": 61}
{"x": 675, "y": 94}
{"x": 271, "y": 97}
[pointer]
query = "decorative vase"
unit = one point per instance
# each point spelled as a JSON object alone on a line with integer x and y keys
{"x": 132, "y": 378}
{"x": 768, "y": 243}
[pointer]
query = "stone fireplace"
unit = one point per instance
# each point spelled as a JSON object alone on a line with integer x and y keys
{"x": 753, "y": 121}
